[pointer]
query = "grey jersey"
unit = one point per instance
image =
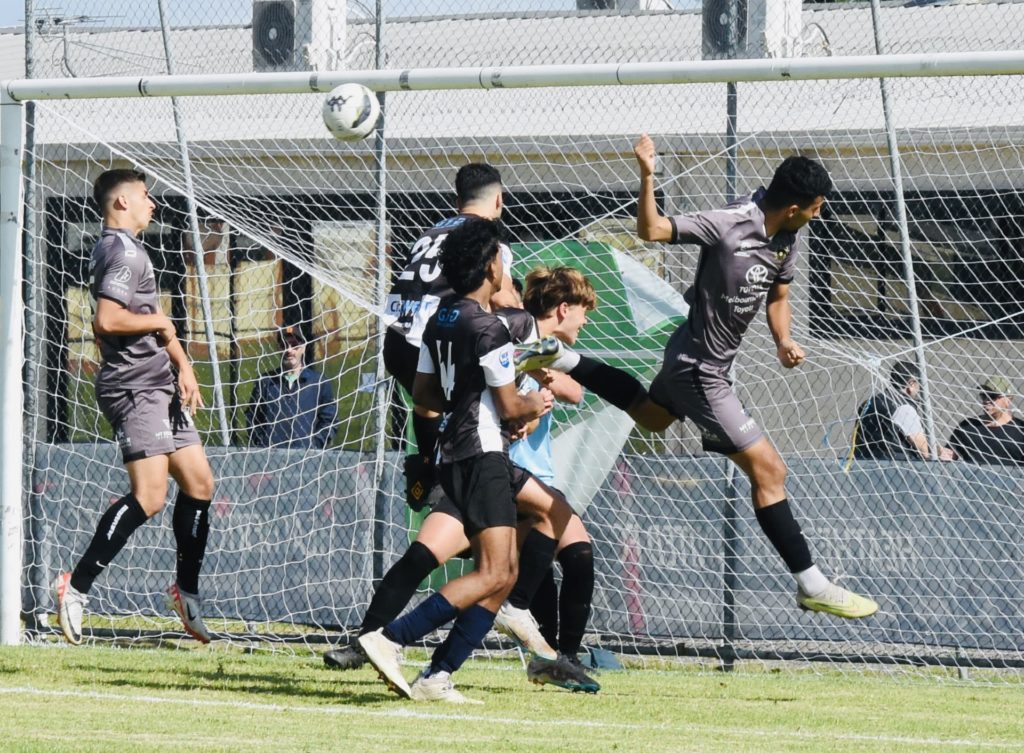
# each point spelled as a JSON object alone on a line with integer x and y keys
{"x": 738, "y": 264}
{"x": 120, "y": 270}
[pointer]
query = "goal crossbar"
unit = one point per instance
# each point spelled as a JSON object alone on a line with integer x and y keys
{"x": 527, "y": 76}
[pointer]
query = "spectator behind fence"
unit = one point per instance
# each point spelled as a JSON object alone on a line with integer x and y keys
{"x": 995, "y": 437}
{"x": 292, "y": 406}
{"x": 888, "y": 425}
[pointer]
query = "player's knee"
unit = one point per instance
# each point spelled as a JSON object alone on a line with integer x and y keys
{"x": 201, "y": 487}
{"x": 499, "y": 578}
{"x": 152, "y": 499}
{"x": 771, "y": 472}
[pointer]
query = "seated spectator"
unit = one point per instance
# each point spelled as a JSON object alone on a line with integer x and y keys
{"x": 888, "y": 425}
{"x": 994, "y": 437}
{"x": 292, "y": 406}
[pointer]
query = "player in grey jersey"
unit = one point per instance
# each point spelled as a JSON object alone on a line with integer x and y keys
{"x": 747, "y": 258}
{"x": 149, "y": 408}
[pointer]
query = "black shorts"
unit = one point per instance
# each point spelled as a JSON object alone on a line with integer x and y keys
{"x": 519, "y": 478}
{"x": 400, "y": 358}
{"x": 479, "y": 492}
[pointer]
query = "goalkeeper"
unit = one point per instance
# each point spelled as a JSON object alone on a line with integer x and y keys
{"x": 747, "y": 258}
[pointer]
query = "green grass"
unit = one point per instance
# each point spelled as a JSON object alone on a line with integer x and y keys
{"x": 218, "y": 698}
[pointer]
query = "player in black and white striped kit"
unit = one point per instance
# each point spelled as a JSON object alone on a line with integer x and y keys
{"x": 415, "y": 296}
{"x": 466, "y": 370}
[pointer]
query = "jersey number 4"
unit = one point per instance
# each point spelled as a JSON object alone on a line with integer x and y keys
{"x": 447, "y": 369}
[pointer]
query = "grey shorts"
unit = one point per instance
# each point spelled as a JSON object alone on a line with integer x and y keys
{"x": 688, "y": 391}
{"x": 147, "y": 421}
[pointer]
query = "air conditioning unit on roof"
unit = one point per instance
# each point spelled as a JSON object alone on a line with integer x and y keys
{"x": 751, "y": 29}
{"x": 298, "y": 35}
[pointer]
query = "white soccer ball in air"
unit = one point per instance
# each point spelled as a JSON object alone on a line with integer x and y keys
{"x": 351, "y": 112}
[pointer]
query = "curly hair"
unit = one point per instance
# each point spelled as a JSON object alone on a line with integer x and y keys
{"x": 107, "y": 181}
{"x": 546, "y": 287}
{"x": 467, "y": 252}
{"x": 798, "y": 180}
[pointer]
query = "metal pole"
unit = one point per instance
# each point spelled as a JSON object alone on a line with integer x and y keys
{"x": 197, "y": 243}
{"x": 908, "y": 260}
{"x": 11, "y": 358}
{"x": 930, "y": 65}
{"x": 383, "y": 390}
{"x": 38, "y": 575}
{"x": 729, "y": 511}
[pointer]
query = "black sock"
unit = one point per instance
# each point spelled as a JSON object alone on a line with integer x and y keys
{"x": 577, "y": 561}
{"x": 784, "y": 532}
{"x": 534, "y": 561}
{"x": 397, "y": 586}
{"x": 191, "y": 523}
{"x": 426, "y": 430}
{"x": 609, "y": 383}
{"x": 544, "y": 608}
{"x": 117, "y": 524}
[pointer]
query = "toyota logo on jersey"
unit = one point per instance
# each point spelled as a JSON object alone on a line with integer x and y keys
{"x": 757, "y": 275}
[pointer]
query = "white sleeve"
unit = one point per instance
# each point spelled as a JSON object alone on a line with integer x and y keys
{"x": 497, "y": 366}
{"x": 907, "y": 421}
{"x": 506, "y": 258}
{"x": 425, "y": 364}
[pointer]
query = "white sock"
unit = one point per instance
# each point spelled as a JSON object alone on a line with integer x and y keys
{"x": 811, "y": 581}
{"x": 567, "y": 361}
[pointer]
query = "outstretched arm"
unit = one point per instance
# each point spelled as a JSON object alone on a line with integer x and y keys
{"x": 650, "y": 224}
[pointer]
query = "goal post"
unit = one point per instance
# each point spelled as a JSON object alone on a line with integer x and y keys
{"x": 982, "y": 63}
{"x": 11, "y": 360}
{"x": 299, "y": 230}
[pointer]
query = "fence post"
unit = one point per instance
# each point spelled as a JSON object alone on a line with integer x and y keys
{"x": 197, "y": 243}
{"x": 908, "y": 260}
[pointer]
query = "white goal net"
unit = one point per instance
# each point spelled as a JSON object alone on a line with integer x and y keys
{"x": 300, "y": 230}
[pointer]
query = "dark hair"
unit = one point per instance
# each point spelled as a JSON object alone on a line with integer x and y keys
{"x": 467, "y": 252}
{"x": 903, "y": 372}
{"x": 107, "y": 181}
{"x": 518, "y": 285}
{"x": 472, "y": 179}
{"x": 546, "y": 288}
{"x": 798, "y": 180}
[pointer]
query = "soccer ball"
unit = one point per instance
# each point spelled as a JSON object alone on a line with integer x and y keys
{"x": 351, "y": 112}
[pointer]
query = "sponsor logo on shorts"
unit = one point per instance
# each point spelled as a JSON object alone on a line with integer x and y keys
{"x": 122, "y": 439}
{"x": 747, "y": 426}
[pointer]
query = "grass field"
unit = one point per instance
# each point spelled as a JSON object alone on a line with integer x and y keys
{"x": 60, "y": 699}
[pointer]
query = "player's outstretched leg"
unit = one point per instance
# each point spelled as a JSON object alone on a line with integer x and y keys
{"x": 767, "y": 473}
